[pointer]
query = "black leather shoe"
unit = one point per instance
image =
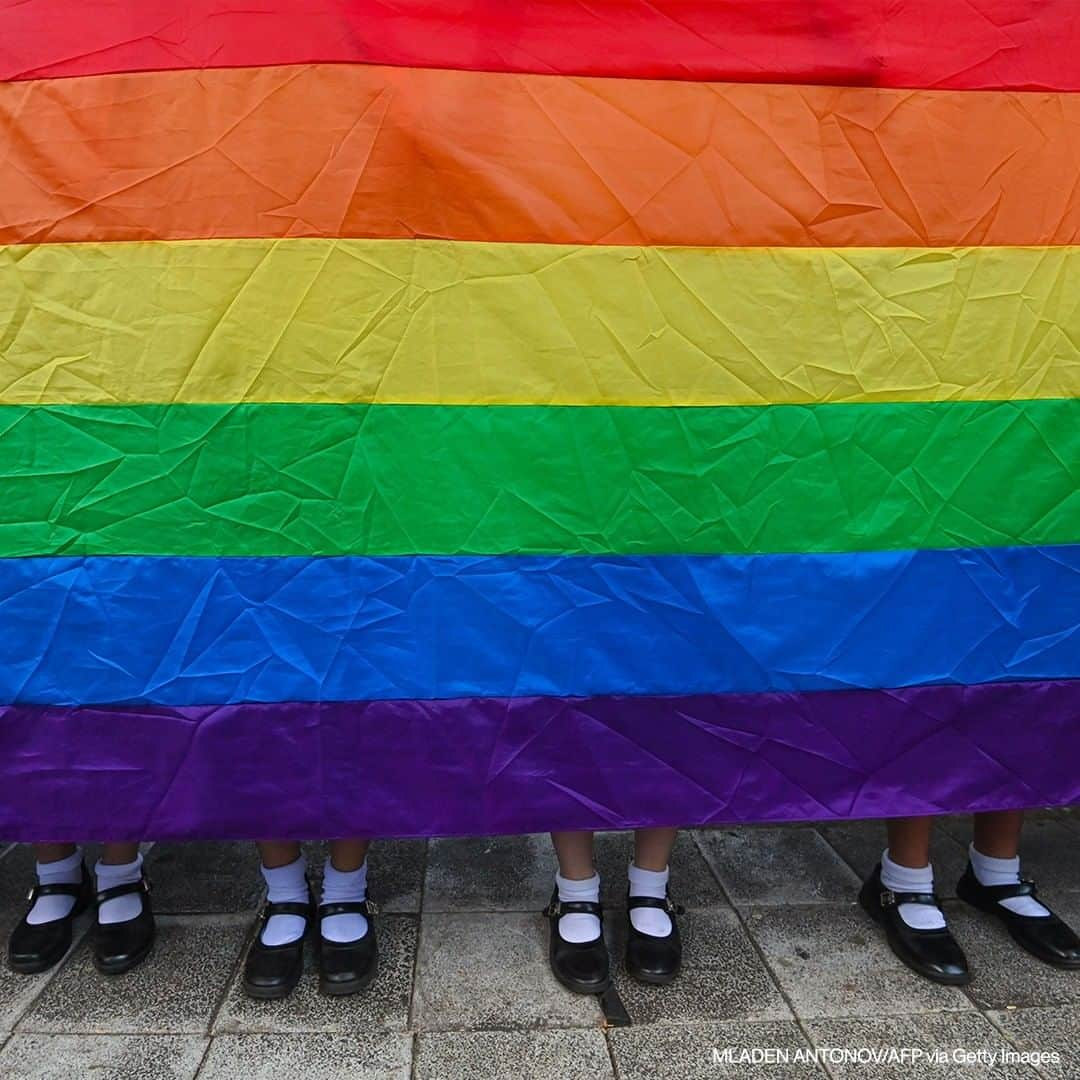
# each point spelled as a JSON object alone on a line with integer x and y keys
{"x": 934, "y": 954}
{"x": 118, "y": 947}
{"x": 583, "y": 967}
{"x": 346, "y": 967}
{"x": 1044, "y": 936}
{"x": 33, "y": 948}
{"x": 651, "y": 959}
{"x": 272, "y": 971}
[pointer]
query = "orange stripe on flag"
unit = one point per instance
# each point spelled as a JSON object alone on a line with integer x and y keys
{"x": 357, "y": 151}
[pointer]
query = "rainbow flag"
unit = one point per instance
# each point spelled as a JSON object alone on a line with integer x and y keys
{"x": 468, "y": 417}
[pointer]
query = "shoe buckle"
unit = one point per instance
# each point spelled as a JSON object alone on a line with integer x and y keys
{"x": 554, "y": 909}
{"x": 888, "y": 898}
{"x": 373, "y": 908}
{"x": 30, "y": 894}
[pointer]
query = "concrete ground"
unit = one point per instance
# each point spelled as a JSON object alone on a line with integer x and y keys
{"x": 777, "y": 956}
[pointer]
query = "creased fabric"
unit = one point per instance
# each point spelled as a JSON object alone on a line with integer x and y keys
{"x": 954, "y": 44}
{"x": 190, "y": 631}
{"x": 469, "y": 416}
{"x": 358, "y": 151}
{"x": 482, "y": 765}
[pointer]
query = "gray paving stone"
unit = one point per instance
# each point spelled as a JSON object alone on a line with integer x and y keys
{"x": 17, "y": 992}
{"x": 777, "y": 866}
{"x": 174, "y": 991}
{"x": 491, "y": 971}
{"x": 832, "y": 961}
{"x": 103, "y": 1057}
{"x": 860, "y": 844}
{"x": 524, "y": 1055}
{"x": 397, "y": 874}
{"x": 1050, "y": 1031}
{"x": 366, "y": 1055}
{"x": 692, "y": 882}
{"x": 198, "y": 878}
{"x": 722, "y": 976}
{"x": 384, "y": 1004}
{"x": 944, "y": 1034}
{"x": 660, "y": 1052}
{"x": 1005, "y": 975}
{"x": 498, "y": 873}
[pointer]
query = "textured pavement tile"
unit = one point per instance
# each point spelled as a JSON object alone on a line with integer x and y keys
{"x": 396, "y": 874}
{"x": 524, "y": 1055}
{"x": 944, "y": 1033}
{"x": 692, "y": 882}
{"x": 860, "y": 844}
{"x": 204, "y": 877}
{"x": 174, "y": 991}
{"x": 659, "y": 1052}
{"x": 498, "y": 873}
{"x": 384, "y": 1004}
{"x": 365, "y": 1055}
{"x": 1046, "y": 1030}
{"x": 722, "y": 975}
{"x": 102, "y": 1057}
{"x": 777, "y": 866}
{"x": 491, "y": 971}
{"x": 17, "y": 992}
{"x": 1003, "y": 973}
{"x": 833, "y": 961}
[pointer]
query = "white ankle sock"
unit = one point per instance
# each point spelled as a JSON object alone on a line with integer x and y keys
{"x": 991, "y": 871}
{"x": 343, "y": 886}
{"x": 121, "y": 908}
{"x": 61, "y": 872}
{"x": 652, "y": 921}
{"x": 578, "y": 926}
{"x": 285, "y": 885}
{"x": 917, "y": 880}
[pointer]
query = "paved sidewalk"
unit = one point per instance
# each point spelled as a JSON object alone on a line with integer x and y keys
{"x": 777, "y": 956}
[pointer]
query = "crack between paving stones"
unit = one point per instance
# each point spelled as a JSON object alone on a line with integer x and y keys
{"x": 761, "y": 956}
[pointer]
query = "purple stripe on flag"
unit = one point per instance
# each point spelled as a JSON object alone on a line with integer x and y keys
{"x": 508, "y": 765}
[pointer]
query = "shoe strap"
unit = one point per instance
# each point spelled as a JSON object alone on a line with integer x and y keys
{"x": 60, "y": 888}
{"x": 349, "y": 907}
{"x": 889, "y": 898}
{"x": 664, "y": 902}
{"x": 558, "y": 908}
{"x": 285, "y": 908}
{"x": 141, "y": 886}
{"x": 1024, "y": 887}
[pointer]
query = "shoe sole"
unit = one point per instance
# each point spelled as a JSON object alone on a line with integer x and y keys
{"x": 354, "y": 986}
{"x": 132, "y": 961}
{"x": 941, "y": 980}
{"x": 35, "y": 968}
{"x": 270, "y": 993}
{"x": 582, "y": 988}
{"x": 653, "y": 980}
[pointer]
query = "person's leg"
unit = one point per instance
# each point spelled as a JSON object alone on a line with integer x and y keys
{"x": 57, "y": 864}
{"x": 577, "y": 953}
{"x": 648, "y": 876}
{"x": 577, "y": 880}
{"x": 285, "y": 872}
{"x": 995, "y": 858}
{"x": 992, "y": 883}
{"x": 345, "y": 882}
{"x": 124, "y": 930}
{"x": 120, "y": 864}
{"x": 905, "y": 867}
{"x": 915, "y": 927}
{"x": 43, "y": 935}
